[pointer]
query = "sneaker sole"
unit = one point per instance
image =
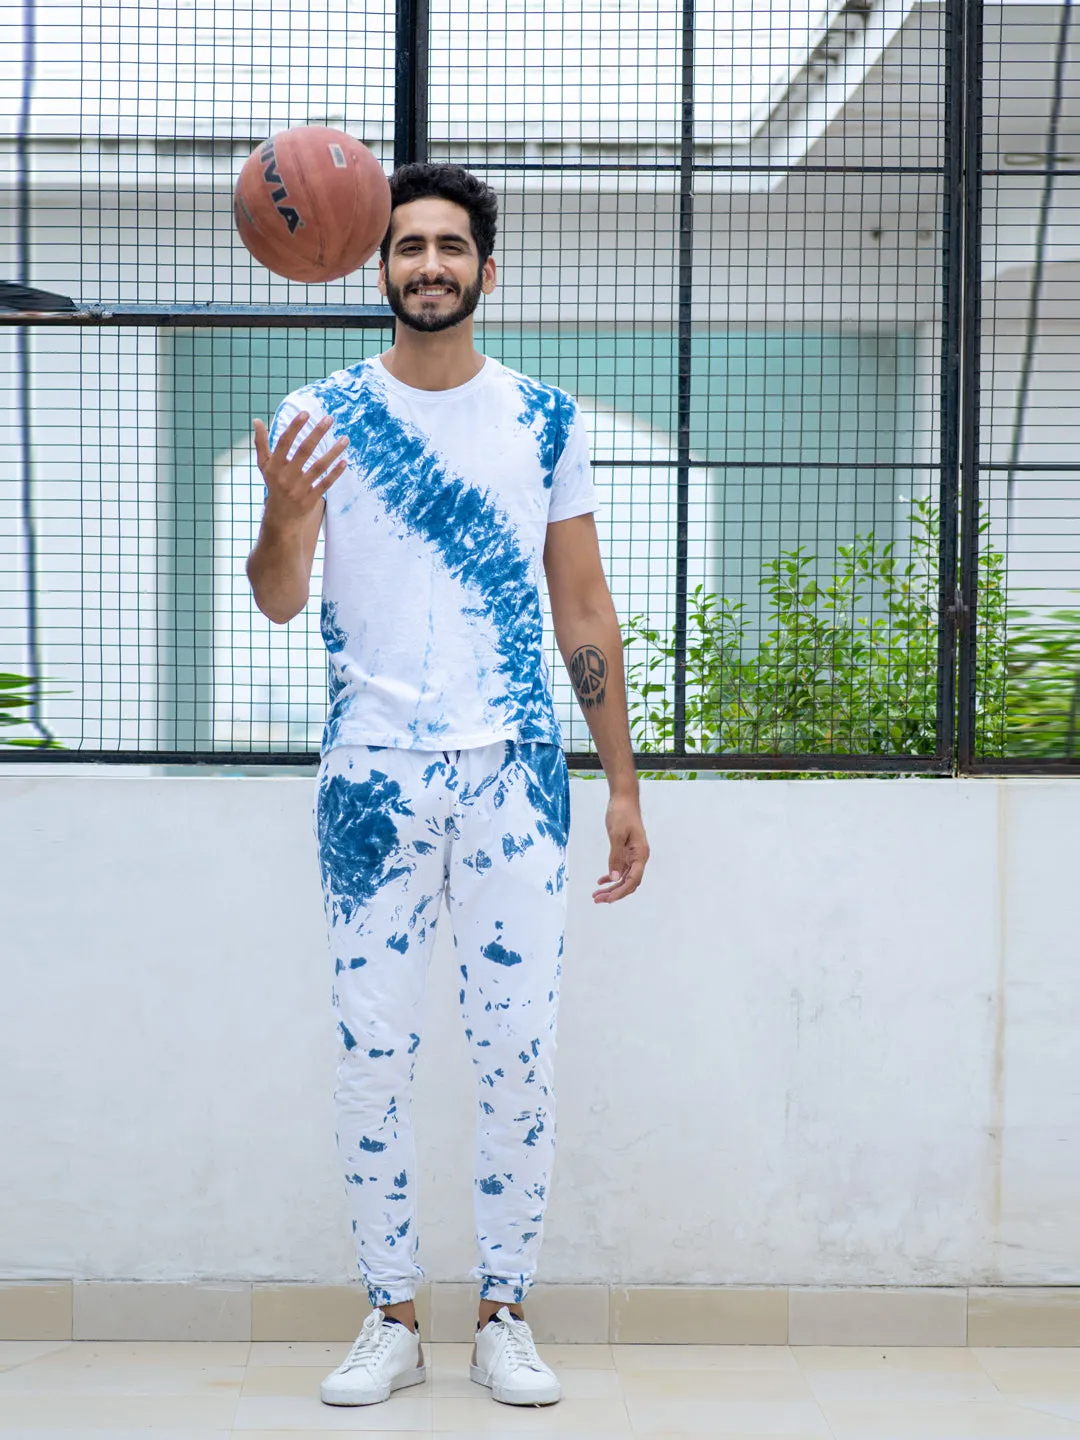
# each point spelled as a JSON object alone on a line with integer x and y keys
{"x": 549, "y": 1396}
{"x": 399, "y": 1382}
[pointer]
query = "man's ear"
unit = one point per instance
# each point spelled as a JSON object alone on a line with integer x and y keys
{"x": 382, "y": 276}
{"x": 488, "y": 276}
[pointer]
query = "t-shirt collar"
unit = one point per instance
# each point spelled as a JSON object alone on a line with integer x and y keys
{"x": 415, "y": 394}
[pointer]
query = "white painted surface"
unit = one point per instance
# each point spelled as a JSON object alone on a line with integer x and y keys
{"x": 832, "y": 1041}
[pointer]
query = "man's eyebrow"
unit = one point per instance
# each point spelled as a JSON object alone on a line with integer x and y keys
{"x": 445, "y": 235}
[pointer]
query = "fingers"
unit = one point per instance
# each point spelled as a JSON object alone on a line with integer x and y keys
{"x": 288, "y": 435}
{"x": 335, "y": 474}
{"x": 290, "y": 476}
{"x": 317, "y": 467}
{"x": 619, "y": 883}
{"x": 307, "y": 446}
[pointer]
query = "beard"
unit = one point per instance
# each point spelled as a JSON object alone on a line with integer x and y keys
{"x": 429, "y": 323}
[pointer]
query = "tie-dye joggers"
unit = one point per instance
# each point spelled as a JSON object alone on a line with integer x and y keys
{"x": 397, "y": 829}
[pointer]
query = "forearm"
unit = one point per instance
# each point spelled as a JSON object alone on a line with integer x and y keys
{"x": 279, "y": 570}
{"x": 590, "y": 643}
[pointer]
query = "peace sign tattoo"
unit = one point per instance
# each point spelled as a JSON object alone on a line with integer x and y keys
{"x": 588, "y": 675}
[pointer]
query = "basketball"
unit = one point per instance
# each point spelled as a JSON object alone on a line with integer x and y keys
{"x": 311, "y": 204}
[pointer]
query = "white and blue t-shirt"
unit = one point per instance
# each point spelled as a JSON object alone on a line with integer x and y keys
{"x": 434, "y": 547}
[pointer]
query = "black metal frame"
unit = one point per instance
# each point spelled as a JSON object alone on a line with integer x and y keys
{"x": 961, "y": 175}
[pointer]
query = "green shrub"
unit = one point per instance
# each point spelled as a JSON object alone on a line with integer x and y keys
{"x": 16, "y": 701}
{"x": 847, "y": 664}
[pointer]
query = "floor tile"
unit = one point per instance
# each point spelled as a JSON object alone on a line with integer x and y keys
{"x": 299, "y": 1381}
{"x": 141, "y": 1432}
{"x": 719, "y": 1386}
{"x": 118, "y": 1412}
{"x": 899, "y": 1420}
{"x": 194, "y": 1354}
{"x": 632, "y": 1358}
{"x": 919, "y": 1359}
{"x": 482, "y": 1416}
{"x": 107, "y": 1378}
{"x": 722, "y": 1402}
{"x": 672, "y": 1416}
{"x": 318, "y": 1434}
{"x": 1055, "y": 1391}
{"x": 288, "y": 1412}
{"x": 513, "y": 1431}
{"x": 310, "y": 1434}
{"x": 21, "y": 1352}
{"x": 1000, "y": 1359}
{"x": 326, "y": 1353}
{"x": 858, "y": 1373}
{"x": 577, "y": 1357}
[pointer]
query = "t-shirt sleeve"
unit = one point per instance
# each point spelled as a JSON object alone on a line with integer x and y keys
{"x": 572, "y": 489}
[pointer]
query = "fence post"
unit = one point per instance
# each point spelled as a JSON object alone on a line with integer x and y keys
{"x": 968, "y": 597}
{"x": 685, "y": 360}
{"x": 410, "y": 82}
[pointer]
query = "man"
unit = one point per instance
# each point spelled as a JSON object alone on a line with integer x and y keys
{"x": 444, "y": 481}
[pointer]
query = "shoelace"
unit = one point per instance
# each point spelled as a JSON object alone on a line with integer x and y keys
{"x": 369, "y": 1344}
{"x": 519, "y": 1344}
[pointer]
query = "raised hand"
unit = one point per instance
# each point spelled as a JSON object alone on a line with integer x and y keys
{"x": 294, "y": 487}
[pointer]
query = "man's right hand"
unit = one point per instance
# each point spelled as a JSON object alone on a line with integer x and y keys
{"x": 294, "y": 487}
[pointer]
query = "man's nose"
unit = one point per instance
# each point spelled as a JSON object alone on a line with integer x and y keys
{"x": 432, "y": 266}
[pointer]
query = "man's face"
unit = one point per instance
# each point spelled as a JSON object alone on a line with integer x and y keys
{"x": 433, "y": 278}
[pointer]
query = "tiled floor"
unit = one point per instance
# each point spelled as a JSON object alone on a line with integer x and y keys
{"x": 168, "y": 1391}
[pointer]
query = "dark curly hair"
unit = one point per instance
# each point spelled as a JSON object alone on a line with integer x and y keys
{"x": 447, "y": 182}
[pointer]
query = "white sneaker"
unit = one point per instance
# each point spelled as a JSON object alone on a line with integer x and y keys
{"x": 386, "y": 1356}
{"x": 505, "y": 1360}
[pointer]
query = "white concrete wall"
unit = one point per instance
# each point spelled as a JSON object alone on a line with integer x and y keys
{"x": 831, "y": 1041}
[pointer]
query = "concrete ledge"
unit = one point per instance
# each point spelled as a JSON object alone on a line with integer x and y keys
{"x": 877, "y": 1317}
{"x": 691, "y": 1314}
{"x": 1024, "y": 1315}
{"x": 560, "y": 1314}
{"x": 134, "y": 1310}
{"x": 319, "y": 1312}
{"x": 35, "y": 1310}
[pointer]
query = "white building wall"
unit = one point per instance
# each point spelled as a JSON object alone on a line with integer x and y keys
{"x": 831, "y": 1040}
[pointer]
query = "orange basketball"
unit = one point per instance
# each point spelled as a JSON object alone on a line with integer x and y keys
{"x": 312, "y": 204}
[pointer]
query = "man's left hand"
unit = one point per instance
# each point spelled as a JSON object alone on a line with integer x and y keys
{"x": 628, "y": 854}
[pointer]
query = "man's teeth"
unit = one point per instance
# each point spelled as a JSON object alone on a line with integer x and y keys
{"x": 433, "y": 290}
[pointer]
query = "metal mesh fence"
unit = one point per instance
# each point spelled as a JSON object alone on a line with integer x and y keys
{"x": 742, "y": 235}
{"x": 1026, "y": 674}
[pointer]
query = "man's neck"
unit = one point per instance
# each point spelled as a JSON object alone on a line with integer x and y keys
{"x": 434, "y": 361}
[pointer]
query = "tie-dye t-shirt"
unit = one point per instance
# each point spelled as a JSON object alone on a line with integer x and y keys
{"x": 435, "y": 534}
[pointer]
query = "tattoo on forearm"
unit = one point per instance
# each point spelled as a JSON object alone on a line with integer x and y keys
{"x": 588, "y": 675}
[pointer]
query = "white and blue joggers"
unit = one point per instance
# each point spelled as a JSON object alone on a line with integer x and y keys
{"x": 398, "y": 830}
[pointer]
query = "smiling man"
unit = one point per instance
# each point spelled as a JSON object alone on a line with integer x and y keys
{"x": 446, "y": 483}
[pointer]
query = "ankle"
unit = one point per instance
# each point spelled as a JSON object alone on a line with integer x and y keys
{"x": 490, "y": 1308}
{"x": 404, "y": 1314}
